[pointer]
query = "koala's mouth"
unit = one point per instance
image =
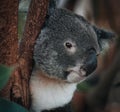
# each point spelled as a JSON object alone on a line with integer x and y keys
{"x": 76, "y": 75}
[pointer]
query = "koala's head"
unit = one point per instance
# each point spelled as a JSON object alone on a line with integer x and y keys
{"x": 68, "y": 45}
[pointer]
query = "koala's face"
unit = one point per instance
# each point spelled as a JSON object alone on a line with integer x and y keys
{"x": 67, "y": 47}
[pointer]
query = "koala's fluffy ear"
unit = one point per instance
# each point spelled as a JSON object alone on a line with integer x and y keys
{"x": 104, "y": 37}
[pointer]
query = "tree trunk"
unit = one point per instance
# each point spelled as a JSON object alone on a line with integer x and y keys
{"x": 34, "y": 22}
{"x": 8, "y": 38}
{"x": 18, "y": 87}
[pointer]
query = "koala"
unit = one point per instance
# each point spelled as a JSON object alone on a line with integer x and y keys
{"x": 65, "y": 54}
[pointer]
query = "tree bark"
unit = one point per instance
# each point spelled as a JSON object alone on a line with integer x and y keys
{"x": 34, "y": 22}
{"x": 8, "y": 37}
{"x": 18, "y": 87}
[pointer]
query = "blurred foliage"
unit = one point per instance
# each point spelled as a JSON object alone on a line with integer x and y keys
{"x": 84, "y": 86}
{"x": 5, "y": 105}
{"x": 4, "y": 75}
{"x": 23, "y": 9}
{"x": 21, "y": 23}
{"x": 24, "y": 5}
{"x": 8, "y": 106}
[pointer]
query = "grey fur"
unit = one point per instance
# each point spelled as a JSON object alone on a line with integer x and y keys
{"x": 55, "y": 59}
{"x": 63, "y": 25}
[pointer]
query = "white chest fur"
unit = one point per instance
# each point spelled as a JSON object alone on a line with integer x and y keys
{"x": 50, "y": 93}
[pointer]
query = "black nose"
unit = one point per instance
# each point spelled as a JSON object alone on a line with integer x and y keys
{"x": 90, "y": 62}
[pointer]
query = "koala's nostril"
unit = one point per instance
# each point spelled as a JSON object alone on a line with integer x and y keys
{"x": 66, "y": 73}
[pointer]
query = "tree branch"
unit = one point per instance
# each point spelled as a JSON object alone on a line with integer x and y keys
{"x": 34, "y": 22}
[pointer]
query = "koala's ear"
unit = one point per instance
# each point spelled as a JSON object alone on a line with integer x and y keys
{"x": 104, "y": 37}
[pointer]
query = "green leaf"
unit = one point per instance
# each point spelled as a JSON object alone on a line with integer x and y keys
{"x": 8, "y": 106}
{"x": 84, "y": 86}
{"x": 4, "y": 75}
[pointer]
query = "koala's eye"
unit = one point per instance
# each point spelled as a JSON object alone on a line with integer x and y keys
{"x": 68, "y": 45}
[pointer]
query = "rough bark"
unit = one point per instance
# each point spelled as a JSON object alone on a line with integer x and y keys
{"x": 35, "y": 20}
{"x": 8, "y": 37}
{"x": 18, "y": 88}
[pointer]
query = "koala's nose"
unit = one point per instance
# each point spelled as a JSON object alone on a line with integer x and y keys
{"x": 90, "y": 62}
